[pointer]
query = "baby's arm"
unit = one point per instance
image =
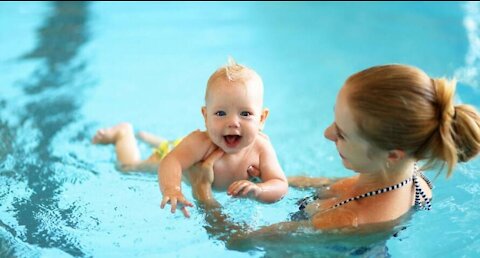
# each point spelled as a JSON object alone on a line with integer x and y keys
{"x": 190, "y": 150}
{"x": 274, "y": 183}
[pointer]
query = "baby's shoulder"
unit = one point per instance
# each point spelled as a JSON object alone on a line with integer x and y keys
{"x": 262, "y": 142}
{"x": 198, "y": 135}
{"x": 198, "y": 139}
{"x": 264, "y": 148}
{"x": 263, "y": 136}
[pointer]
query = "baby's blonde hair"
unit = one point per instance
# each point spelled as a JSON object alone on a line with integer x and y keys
{"x": 401, "y": 107}
{"x": 234, "y": 72}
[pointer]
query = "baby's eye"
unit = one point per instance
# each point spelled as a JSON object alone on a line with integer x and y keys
{"x": 245, "y": 113}
{"x": 220, "y": 113}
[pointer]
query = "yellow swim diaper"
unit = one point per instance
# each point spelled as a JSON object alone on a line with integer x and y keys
{"x": 165, "y": 147}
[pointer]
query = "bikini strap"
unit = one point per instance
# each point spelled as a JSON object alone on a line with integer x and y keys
{"x": 372, "y": 193}
{"x": 420, "y": 194}
{"x": 423, "y": 176}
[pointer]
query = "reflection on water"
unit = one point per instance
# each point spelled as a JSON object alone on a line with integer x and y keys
{"x": 39, "y": 219}
{"x": 470, "y": 72}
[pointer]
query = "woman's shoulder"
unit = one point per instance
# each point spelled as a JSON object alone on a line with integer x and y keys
{"x": 344, "y": 183}
{"x": 356, "y": 214}
{"x": 342, "y": 217}
{"x": 378, "y": 208}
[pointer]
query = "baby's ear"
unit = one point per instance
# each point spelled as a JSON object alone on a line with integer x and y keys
{"x": 204, "y": 113}
{"x": 263, "y": 117}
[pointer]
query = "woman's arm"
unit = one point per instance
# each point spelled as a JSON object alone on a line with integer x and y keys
{"x": 218, "y": 223}
{"x": 299, "y": 181}
{"x": 201, "y": 177}
{"x": 306, "y": 182}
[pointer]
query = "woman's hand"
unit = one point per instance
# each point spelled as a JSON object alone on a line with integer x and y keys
{"x": 201, "y": 177}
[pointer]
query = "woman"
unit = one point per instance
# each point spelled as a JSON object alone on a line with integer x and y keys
{"x": 387, "y": 118}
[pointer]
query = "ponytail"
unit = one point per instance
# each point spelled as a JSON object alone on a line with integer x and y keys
{"x": 458, "y": 136}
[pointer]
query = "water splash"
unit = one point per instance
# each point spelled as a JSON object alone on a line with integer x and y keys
{"x": 469, "y": 74}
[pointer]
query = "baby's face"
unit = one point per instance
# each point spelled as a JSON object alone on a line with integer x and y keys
{"x": 233, "y": 113}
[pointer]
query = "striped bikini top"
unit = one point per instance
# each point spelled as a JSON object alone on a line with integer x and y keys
{"x": 421, "y": 199}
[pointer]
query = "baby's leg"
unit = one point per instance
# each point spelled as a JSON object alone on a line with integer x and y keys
{"x": 149, "y": 165}
{"x": 122, "y": 135}
{"x": 150, "y": 139}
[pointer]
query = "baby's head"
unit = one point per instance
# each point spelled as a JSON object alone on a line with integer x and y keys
{"x": 233, "y": 109}
{"x": 236, "y": 74}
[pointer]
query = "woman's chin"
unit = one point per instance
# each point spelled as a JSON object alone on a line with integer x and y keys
{"x": 346, "y": 164}
{"x": 349, "y": 166}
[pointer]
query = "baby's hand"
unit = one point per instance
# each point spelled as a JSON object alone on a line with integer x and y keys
{"x": 244, "y": 187}
{"x": 174, "y": 197}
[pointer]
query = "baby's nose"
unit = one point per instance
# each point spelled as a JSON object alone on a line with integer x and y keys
{"x": 233, "y": 123}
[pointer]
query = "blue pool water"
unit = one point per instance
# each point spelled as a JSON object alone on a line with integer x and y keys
{"x": 68, "y": 69}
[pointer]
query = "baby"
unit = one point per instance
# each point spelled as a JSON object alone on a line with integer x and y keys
{"x": 234, "y": 117}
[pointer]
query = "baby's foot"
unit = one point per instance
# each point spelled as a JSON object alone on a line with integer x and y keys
{"x": 112, "y": 134}
{"x": 150, "y": 138}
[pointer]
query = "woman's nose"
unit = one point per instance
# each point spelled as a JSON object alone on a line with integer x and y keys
{"x": 330, "y": 133}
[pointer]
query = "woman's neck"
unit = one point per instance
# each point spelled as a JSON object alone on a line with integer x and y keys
{"x": 390, "y": 176}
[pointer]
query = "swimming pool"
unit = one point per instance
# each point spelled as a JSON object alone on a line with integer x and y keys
{"x": 69, "y": 69}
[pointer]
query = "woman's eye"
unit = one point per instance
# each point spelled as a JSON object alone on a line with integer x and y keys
{"x": 339, "y": 136}
{"x": 245, "y": 113}
{"x": 220, "y": 113}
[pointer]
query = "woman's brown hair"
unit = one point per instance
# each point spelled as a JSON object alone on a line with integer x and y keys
{"x": 401, "y": 107}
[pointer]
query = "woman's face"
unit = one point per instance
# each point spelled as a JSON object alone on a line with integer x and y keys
{"x": 355, "y": 151}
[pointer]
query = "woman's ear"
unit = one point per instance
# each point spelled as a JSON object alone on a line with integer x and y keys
{"x": 395, "y": 155}
{"x": 263, "y": 117}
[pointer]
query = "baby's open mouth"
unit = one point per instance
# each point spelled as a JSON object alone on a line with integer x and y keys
{"x": 232, "y": 140}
